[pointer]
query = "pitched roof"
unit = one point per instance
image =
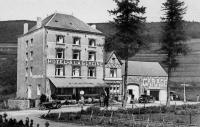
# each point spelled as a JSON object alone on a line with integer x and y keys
{"x": 66, "y": 22}
{"x": 108, "y": 55}
{"x": 144, "y": 68}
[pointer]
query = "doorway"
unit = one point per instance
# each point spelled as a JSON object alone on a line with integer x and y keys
{"x": 155, "y": 94}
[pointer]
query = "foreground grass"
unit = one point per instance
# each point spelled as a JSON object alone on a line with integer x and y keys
{"x": 153, "y": 116}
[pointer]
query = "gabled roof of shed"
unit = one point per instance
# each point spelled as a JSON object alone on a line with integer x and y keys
{"x": 138, "y": 68}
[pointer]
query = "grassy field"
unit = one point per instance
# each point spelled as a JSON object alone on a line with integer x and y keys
{"x": 191, "y": 92}
{"x": 153, "y": 116}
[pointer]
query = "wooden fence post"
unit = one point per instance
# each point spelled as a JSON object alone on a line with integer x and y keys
{"x": 110, "y": 120}
{"x": 91, "y": 115}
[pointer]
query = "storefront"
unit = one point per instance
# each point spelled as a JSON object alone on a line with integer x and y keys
{"x": 70, "y": 89}
{"x": 146, "y": 78}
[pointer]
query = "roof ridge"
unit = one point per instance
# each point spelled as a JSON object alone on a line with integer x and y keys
{"x": 50, "y": 19}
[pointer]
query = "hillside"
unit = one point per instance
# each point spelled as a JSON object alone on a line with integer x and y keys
{"x": 189, "y": 69}
{"x": 10, "y": 30}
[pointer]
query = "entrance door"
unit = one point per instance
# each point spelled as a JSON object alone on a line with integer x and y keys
{"x": 155, "y": 94}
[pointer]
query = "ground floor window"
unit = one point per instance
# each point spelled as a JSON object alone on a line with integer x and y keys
{"x": 76, "y": 71}
{"x": 59, "y": 71}
{"x": 91, "y": 72}
{"x": 114, "y": 88}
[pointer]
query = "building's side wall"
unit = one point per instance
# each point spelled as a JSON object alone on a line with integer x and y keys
{"x": 68, "y": 47}
{"x": 36, "y": 62}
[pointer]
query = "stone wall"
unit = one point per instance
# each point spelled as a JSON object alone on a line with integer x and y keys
{"x": 18, "y": 104}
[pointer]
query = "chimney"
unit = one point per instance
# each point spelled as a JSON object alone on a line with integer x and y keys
{"x": 93, "y": 26}
{"x": 39, "y": 22}
{"x": 25, "y": 28}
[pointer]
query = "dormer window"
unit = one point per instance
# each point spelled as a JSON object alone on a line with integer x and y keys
{"x": 60, "y": 53}
{"x": 76, "y": 41}
{"x": 60, "y": 39}
{"x": 92, "y": 43}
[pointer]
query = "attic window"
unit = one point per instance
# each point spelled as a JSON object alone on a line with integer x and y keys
{"x": 113, "y": 59}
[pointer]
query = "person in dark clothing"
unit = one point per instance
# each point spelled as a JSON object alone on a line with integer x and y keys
{"x": 101, "y": 100}
{"x": 106, "y": 99}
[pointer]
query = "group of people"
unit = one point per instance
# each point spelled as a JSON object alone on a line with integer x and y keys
{"x": 5, "y": 122}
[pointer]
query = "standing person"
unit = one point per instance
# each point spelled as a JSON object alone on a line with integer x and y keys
{"x": 197, "y": 98}
{"x": 132, "y": 98}
{"x": 81, "y": 99}
{"x": 101, "y": 100}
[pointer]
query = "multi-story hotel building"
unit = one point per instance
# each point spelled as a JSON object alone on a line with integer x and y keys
{"x": 60, "y": 55}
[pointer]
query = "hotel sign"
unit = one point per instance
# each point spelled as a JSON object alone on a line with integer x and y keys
{"x": 74, "y": 62}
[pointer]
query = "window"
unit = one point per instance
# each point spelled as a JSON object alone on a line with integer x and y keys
{"x": 76, "y": 55}
{"x": 29, "y": 92}
{"x": 113, "y": 72}
{"x": 27, "y": 44}
{"x": 60, "y": 39}
{"x": 91, "y": 72}
{"x": 59, "y": 70}
{"x": 92, "y": 56}
{"x": 92, "y": 42}
{"x": 31, "y": 71}
{"x": 117, "y": 88}
{"x": 76, "y": 71}
{"x": 76, "y": 41}
{"x": 59, "y": 53}
{"x": 31, "y": 55}
{"x": 113, "y": 60}
{"x": 26, "y": 56}
{"x": 38, "y": 89}
{"x": 26, "y": 74}
{"x": 32, "y": 42}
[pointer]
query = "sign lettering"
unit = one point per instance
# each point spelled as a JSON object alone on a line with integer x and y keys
{"x": 74, "y": 62}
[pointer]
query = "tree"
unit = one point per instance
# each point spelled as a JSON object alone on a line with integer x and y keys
{"x": 174, "y": 37}
{"x": 128, "y": 39}
{"x": 8, "y": 74}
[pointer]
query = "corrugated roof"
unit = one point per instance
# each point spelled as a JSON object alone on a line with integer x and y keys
{"x": 144, "y": 68}
{"x": 68, "y": 22}
{"x": 77, "y": 83}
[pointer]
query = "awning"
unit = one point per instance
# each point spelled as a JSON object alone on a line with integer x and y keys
{"x": 77, "y": 83}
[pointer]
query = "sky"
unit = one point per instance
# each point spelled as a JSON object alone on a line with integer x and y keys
{"x": 89, "y": 11}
